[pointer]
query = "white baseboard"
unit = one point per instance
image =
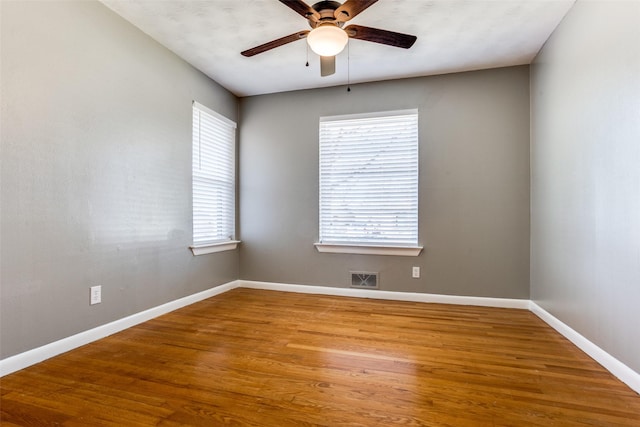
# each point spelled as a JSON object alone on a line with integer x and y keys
{"x": 388, "y": 295}
{"x": 31, "y": 357}
{"x": 610, "y": 363}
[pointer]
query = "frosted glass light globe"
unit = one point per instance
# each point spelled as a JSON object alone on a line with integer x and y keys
{"x": 327, "y": 40}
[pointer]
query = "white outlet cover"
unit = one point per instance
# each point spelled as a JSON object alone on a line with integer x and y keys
{"x": 96, "y": 295}
{"x": 415, "y": 272}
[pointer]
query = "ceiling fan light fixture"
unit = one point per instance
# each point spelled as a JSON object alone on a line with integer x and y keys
{"x": 327, "y": 40}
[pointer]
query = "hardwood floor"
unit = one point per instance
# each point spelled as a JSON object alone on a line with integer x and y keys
{"x": 264, "y": 358}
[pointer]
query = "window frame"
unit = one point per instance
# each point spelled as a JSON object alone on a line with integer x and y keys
{"x": 215, "y": 244}
{"x": 367, "y": 248}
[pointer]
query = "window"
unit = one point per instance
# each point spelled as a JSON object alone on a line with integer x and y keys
{"x": 369, "y": 183}
{"x": 213, "y": 173}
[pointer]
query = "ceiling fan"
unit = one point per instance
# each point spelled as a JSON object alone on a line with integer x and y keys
{"x": 327, "y": 38}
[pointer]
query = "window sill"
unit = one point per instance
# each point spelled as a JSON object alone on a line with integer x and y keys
{"x": 368, "y": 250}
{"x": 214, "y": 247}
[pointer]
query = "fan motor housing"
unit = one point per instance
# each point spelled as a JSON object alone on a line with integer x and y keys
{"x": 327, "y": 9}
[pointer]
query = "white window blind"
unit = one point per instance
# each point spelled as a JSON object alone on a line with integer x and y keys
{"x": 369, "y": 179}
{"x": 213, "y": 170}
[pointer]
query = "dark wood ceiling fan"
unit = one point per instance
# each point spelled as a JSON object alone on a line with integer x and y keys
{"x": 331, "y": 15}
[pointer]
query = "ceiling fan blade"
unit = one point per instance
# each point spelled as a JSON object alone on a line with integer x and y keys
{"x": 302, "y": 9}
{"x": 381, "y": 36}
{"x": 327, "y": 65}
{"x": 351, "y": 8}
{"x": 275, "y": 43}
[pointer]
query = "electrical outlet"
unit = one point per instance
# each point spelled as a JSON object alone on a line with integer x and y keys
{"x": 415, "y": 272}
{"x": 96, "y": 295}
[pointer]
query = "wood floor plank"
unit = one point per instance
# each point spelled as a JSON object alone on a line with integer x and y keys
{"x": 265, "y": 358}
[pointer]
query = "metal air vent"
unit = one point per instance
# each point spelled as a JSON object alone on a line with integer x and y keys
{"x": 364, "y": 280}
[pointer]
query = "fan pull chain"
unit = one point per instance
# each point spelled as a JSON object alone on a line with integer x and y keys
{"x": 348, "y": 67}
{"x": 307, "y": 64}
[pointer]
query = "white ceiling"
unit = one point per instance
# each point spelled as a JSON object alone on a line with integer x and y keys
{"x": 453, "y": 35}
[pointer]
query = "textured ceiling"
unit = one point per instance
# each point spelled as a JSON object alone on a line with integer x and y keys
{"x": 453, "y": 35}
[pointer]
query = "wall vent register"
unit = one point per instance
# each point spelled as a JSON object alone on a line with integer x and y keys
{"x": 364, "y": 280}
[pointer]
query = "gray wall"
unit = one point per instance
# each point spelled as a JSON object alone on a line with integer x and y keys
{"x": 585, "y": 196}
{"x": 474, "y": 184}
{"x": 96, "y": 178}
